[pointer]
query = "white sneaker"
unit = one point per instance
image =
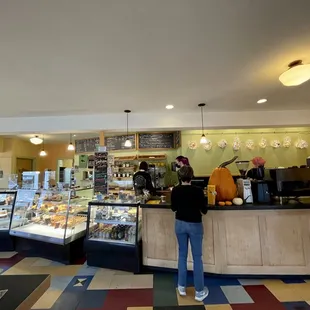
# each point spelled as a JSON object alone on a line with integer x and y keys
{"x": 200, "y": 296}
{"x": 182, "y": 290}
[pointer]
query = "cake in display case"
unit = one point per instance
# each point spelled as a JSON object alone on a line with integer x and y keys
{"x": 113, "y": 237}
{"x": 52, "y": 218}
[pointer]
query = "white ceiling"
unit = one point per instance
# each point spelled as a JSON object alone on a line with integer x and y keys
{"x": 78, "y": 57}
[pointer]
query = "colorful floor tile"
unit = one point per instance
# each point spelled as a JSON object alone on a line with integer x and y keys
{"x": 80, "y": 287}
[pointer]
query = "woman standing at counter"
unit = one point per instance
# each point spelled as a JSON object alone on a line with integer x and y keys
{"x": 188, "y": 203}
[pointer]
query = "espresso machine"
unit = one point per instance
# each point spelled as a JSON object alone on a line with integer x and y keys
{"x": 243, "y": 183}
{"x": 289, "y": 184}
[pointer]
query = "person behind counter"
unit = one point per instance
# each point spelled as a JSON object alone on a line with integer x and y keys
{"x": 142, "y": 180}
{"x": 181, "y": 161}
{"x": 188, "y": 203}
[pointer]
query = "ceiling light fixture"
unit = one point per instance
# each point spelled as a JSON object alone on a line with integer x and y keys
{"x": 36, "y": 140}
{"x": 260, "y": 101}
{"x": 71, "y": 146}
{"x": 203, "y": 139}
{"x": 297, "y": 74}
{"x": 169, "y": 107}
{"x": 43, "y": 153}
{"x": 127, "y": 142}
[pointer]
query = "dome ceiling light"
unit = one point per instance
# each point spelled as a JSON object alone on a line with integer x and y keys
{"x": 36, "y": 140}
{"x": 297, "y": 74}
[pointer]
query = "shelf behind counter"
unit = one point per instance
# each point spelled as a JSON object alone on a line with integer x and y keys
{"x": 249, "y": 240}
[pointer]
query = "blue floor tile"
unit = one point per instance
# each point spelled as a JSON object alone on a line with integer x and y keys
{"x": 67, "y": 301}
{"x": 92, "y": 299}
{"x": 296, "y": 305}
{"x": 293, "y": 281}
{"x": 215, "y": 297}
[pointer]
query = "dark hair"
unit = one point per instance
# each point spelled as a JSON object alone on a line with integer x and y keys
{"x": 184, "y": 160}
{"x": 144, "y": 166}
{"x": 186, "y": 173}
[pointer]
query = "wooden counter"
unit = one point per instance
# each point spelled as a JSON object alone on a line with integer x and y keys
{"x": 263, "y": 242}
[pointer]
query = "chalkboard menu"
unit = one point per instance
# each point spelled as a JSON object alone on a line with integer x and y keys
{"x": 177, "y": 139}
{"x": 117, "y": 143}
{"x": 86, "y": 145}
{"x": 101, "y": 173}
{"x": 162, "y": 140}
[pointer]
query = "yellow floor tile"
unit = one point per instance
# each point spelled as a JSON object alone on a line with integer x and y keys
{"x": 285, "y": 294}
{"x": 131, "y": 281}
{"x": 6, "y": 255}
{"x": 142, "y": 281}
{"x": 47, "y": 300}
{"x": 102, "y": 280}
{"x": 189, "y": 299}
{"x": 273, "y": 283}
{"x": 218, "y": 307}
{"x": 302, "y": 289}
{"x": 70, "y": 270}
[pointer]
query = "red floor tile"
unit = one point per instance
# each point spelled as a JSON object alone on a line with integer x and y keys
{"x": 261, "y": 295}
{"x": 121, "y": 299}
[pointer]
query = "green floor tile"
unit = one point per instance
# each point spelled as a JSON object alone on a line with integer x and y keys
{"x": 164, "y": 290}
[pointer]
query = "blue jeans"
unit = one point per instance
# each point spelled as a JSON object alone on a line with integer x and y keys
{"x": 194, "y": 233}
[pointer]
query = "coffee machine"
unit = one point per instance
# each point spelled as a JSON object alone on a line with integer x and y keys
{"x": 243, "y": 183}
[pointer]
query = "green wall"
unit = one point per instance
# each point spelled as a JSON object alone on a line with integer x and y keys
{"x": 203, "y": 162}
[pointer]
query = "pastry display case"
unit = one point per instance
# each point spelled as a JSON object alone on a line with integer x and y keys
{"x": 51, "y": 218}
{"x": 113, "y": 237}
{"x": 7, "y": 201}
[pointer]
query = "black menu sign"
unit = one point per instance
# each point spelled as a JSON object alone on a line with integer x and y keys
{"x": 159, "y": 140}
{"x": 177, "y": 139}
{"x": 101, "y": 173}
{"x": 117, "y": 143}
{"x": 86, "y": 145}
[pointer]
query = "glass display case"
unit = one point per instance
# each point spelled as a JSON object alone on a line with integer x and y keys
{"x": 52, "y": 218}
{"x": 114, "y": 222}
{"x": 113, "y": 237}
{"x": 7, "y": 200}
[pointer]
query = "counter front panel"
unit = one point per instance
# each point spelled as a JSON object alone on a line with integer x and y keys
{"x": 263, "y": 242}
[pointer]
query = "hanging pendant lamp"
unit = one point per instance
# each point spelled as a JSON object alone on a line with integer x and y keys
{"x": 127, "y": 142}
{"x": 43, "y": 152}
{"x": 71, "y": 146}
{"x": 203, "y": 139}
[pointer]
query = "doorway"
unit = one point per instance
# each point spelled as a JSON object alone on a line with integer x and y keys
{"x": 22, "y": 165}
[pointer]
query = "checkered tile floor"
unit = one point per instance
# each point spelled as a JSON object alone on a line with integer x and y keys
{"x": 79, "y": 287}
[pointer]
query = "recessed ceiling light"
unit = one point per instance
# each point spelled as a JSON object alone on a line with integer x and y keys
{"x": 169, "y": 106}
{"x": 261, "y": 101}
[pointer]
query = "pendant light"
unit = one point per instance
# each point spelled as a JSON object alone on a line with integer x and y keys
{"x": 127, "y": 142}
{"x": 71, "y": 146}
{"x": 43, "y": 153}
{"x": 36, "y": 140}
{"x": 203, "y": 139}
{"x": 297, "y": 74}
